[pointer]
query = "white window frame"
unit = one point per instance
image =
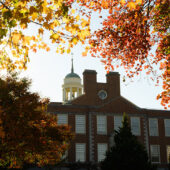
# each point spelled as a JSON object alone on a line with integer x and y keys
{"x": 80, "y": 155}
{"x": 167, "y": 127}
{"x": 152, "y": 148}
{"x": 101, "y": 124}
{"x": 61, "y": 117}
{"x": 116, "y": 126}
{"x": 153, "y": 127}
{"x": 80, "y": 124}
{"x": 168, "y": 153}
{"x": 135, "y": 126}
{"x": 101, "y": 155}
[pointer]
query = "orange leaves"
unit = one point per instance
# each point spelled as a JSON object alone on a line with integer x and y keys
{"x": 123, "y": 2}
{"x": 104, "y": 4}
{"x": 84, "y": 54}
{"x": 84, "y": 23}
{"x": 16, "y": 37}
{"x": 131, "y": 5}
{"x": 128, "y": 35}
{"x": 41, "y": 31}
{"x": 29, "y": 130}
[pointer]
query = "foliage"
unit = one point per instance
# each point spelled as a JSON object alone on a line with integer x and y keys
{"x": 17, "y": 37}
{"x": 130, "y": 33}
{"x": 127, "y": 153}
{"x": 27, "y": 133}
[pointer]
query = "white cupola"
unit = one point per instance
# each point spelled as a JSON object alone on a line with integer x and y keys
{"x": 72, "y": 86}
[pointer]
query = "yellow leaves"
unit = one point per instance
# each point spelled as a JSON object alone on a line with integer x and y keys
{"x": 91, "y": 4}
{"x": 56, "y": 23}
{"x": 66, "y": 20}
{"x": 16, "y": 37}
{"x": 84, "y": 33}
{"x": 44, "y": 6}
{"x": 55, "y": 36}
{"x": 75, "y": 40}
{"x": 68, "y": 50}
{"x": 73, "y": 11}
{"x": 34, "y": 16}
{"x": 122, "y": 2}
{"x": 104, "y": 4}
{"x": 139, "y": 1}
{"x": 53, "y": 17}
{"x": 131, "y": 5}
{"x": 26, "y": 40}
{"x": 77, "y": 17}
{"x": 13, "y": 52}
{"x": 84, "y": 23}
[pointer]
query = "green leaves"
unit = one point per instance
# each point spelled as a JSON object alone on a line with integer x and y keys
{"x": 3, "y": 33}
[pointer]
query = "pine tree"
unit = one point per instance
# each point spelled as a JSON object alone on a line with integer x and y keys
{"x": 127, "y": 153}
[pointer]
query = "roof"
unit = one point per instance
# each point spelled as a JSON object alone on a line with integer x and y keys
{"x": 72, "y": 75}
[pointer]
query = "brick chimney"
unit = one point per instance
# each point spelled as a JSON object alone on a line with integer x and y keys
{"x": 113, "y": 82}
{"x": 89, "y": 80}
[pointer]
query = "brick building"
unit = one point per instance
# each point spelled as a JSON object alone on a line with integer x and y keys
{"x": 95, "y": 113}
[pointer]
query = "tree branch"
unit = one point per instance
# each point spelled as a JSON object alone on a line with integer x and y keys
{"x": 4, "y": 5}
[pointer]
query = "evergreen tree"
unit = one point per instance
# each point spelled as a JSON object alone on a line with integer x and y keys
{"x": 127, "y": 152}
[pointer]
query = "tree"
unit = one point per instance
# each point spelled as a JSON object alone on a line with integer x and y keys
{"x": 127, "y": 153}
{"x": 56, "y": 19}
{"x": 129, "y": 35}
{"x": 27, "y": 133}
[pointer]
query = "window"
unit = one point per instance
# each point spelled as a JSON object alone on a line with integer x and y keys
{"x": 167, "y": 127}
{"x": 155, "y": 153}
{"x": 153, "y": 127}
{"x": 80, "y": 124}
{"x": 101, "y": 125}
{"x": 62, "y": 119}
{"x": 81, "y": 152}
{"x": 117, "y": 122}
{"x": 101, "y": 150}
{"x": 135, "y": 125}
{"x": 168, "y": 154}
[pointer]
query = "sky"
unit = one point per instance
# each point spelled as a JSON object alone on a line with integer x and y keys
{"x": 47, "y": 71}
